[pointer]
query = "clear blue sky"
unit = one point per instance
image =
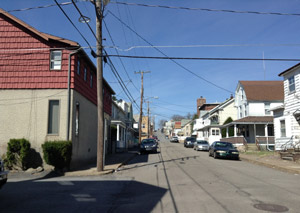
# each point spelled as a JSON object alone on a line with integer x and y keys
{"x": 252, "y": 36}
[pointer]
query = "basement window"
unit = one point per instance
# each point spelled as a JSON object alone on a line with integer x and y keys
{"x": 55, "y": 60}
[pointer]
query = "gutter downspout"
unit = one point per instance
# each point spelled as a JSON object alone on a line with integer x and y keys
{"x": 69, "y": 95}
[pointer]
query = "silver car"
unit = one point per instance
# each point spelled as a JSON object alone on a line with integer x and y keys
{"x": 201, "y": 145}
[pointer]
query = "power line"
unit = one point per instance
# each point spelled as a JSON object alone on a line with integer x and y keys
{"x": 208, "y": 10}
{"x": 203, "y": 58}
{"x": 118, "y": 54}
{"x": 202, "y": 45}
{"x": 180, "y": 65}
{"x": 73, "y": 24}
{"x": 39, "y": 7}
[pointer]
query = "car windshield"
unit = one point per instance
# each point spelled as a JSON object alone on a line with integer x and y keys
{"x": 223, "y": 144}
{"x": 148, "y": 141}
{"x": 202, "y": 142}
{"x": 191, "y": 139}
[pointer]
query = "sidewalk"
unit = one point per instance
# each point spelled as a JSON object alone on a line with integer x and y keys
{"x": 112, "y": 163}
{"x": 273, "y": 161}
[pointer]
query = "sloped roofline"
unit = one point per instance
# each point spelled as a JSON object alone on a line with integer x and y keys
{"x": 44, "y": 36}
{"x": 289, "y": 69}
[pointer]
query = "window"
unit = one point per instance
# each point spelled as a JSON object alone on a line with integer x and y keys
{"x": 78, "y": 66}
{"x": 267, "y": 109}
{"x": 85, "y": 73}
{"x": 77, "y": 120}
{"x": 53, "y": 117}
{"x": 91, "y": 80}
{"x": 292, "y": 84}
{"x": 143, "y": 126}
{"x": 215, "y": 132}
{"x": 282, "y": 128}
{"x": 55, "y": 60}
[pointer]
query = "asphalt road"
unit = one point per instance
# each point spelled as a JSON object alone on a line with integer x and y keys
{"x": 176, "y": 179}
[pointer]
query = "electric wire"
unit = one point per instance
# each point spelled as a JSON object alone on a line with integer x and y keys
{"x": 204, "y": 58}
{"x": 73, "y": 24}
{"x": 39, "y": 7}
{"x": 207, "y": 9}
{"x": 166, "y": 56}
{"x": 118, "y": 54}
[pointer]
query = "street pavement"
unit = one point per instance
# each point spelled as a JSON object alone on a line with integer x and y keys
{"x": 176, "y": 179}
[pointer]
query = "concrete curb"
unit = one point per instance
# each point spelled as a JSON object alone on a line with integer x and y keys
{"x": 273, "y": 166}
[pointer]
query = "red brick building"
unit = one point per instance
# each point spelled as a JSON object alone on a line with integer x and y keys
{"x": 48, "y": 90}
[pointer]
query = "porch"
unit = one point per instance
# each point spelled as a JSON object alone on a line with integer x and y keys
{"x": 251, "y": 130}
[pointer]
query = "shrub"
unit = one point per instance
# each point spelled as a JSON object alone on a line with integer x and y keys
{"x": 58, "y": 153}
{"x": 18, "y": 153}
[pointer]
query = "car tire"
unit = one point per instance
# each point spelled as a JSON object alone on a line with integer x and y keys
{"x": 215, "y": 155}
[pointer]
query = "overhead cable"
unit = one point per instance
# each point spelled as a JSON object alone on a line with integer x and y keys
{"x": 207, "y": 9}
{"x": 165, "y": 55}
{"x": 204, "y": 58}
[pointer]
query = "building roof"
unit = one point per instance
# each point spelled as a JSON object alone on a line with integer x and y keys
{"x": 289, "y": 69}
{"x": 208, "y": 107}
{"x": 252, "y": 120}
{"x": 45, "y": 36}
{"x": 177, "y": 125}
{"x": 263, "y": 90}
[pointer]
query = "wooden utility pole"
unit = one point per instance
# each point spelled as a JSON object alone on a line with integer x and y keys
{"x": 148, "y": 112}
{"x": 141, "y": 105}
{"x": 100, "y": 130}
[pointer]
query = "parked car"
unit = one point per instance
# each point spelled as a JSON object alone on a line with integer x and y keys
{"x": 174, "y": 139}
{"x": 220, "y": 149}
{"x": 148, "y": 145}
{"x": 3, "y": 174}
{"x": 189, "y": 142}
{"x": 201, "y": 145}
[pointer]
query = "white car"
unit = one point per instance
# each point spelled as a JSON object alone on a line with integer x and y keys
{"x": 201, "y": 145}
{"x": 174, "y": 139}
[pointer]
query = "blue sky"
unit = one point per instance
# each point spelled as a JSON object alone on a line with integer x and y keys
{"x": 254, "y": 36}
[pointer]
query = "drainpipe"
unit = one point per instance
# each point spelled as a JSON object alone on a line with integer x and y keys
{"x": 69, "y": 94}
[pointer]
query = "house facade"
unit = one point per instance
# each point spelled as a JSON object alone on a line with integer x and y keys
{"x": 214, "y": 119}
{"x": 253, "y": 100}
{"x": 287, "y": 115}
{"x": 48, "y": 91}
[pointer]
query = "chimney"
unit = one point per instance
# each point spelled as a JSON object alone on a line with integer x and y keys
{"x": 200, "y": 102}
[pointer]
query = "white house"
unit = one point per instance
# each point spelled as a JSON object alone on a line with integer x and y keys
{"x": 253, "y": 100}
{"x": 213, "y": 120}
{"x": 287, "y": 116}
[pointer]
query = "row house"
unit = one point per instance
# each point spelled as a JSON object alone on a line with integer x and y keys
{"x": 123, "y": 133}
{"x": 145, "y": 126}
{"x": 254, "y": 123}
{"x": 213, "y": 120}
{"x": 48, "y": 91}
{"x": 287, "y": 115}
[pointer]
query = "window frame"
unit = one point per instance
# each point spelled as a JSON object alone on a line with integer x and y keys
{"x": 52, "y": 60}
{"x": 292, "y": 85}
{"x": 85, "y": 73}
{"x": 281, "y": 129}
{"x": 58, "y": 118}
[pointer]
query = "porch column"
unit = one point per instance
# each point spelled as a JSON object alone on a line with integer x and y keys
{"x": 118, "y": 132}
{"x": 254, "y": 133}
{"x": 235, "y": 130}
{"x": 266, "y": 130}
{"x": 227, "y": 134}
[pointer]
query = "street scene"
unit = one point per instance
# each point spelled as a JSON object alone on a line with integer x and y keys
{"x": 149, "y": 106}
{"x": 175, "y": 179}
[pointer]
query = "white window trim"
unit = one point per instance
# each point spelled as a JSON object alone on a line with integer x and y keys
{"x": 53, "y": 60}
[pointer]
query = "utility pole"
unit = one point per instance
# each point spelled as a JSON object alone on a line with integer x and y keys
{"x": 141, "y": 104}
{"x": 100, "y": 138}
{"x": 148, "y": 111}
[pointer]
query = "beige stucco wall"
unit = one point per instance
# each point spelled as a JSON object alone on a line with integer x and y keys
{"x": 24, "y": 114}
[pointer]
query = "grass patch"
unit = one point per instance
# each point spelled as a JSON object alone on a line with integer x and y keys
{"x": 260, "y": 153}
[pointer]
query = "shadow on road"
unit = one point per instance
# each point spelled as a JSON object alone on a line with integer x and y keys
{"x": 60, "y": 195}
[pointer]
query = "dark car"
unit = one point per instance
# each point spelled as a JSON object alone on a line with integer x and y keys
{"x": 189, "y": 142}
{"x": 3, "y": 174}
{"x": 148, "y": 145}
{"x": 220, "y": 149}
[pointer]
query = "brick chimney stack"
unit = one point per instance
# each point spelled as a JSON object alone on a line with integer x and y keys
{"x": 200, "y": 102}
